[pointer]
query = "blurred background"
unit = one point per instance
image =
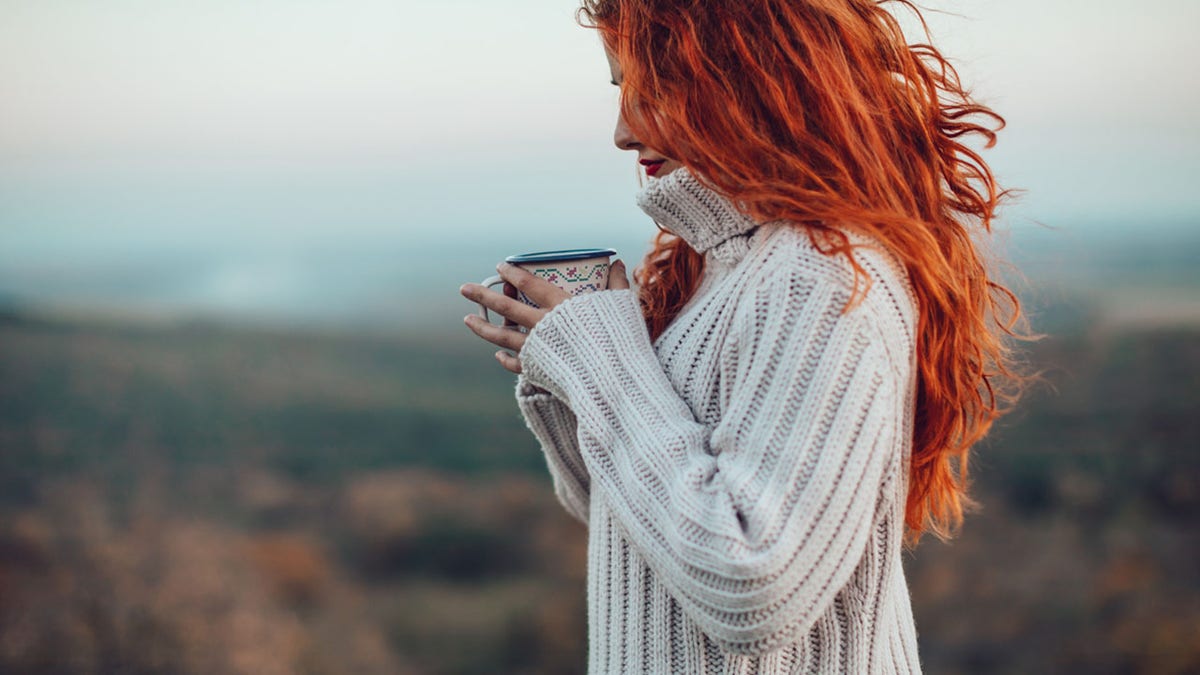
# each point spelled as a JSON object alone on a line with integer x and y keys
{"x": 243, "y": 430}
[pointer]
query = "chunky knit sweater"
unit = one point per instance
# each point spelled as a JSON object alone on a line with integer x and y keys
{"x": 743, "y": 477}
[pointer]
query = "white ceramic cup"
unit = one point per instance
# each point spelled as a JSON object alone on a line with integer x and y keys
{"x": 576, "y": 271}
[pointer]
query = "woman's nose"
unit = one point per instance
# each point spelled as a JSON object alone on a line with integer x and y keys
{"x": 623, "y": 137}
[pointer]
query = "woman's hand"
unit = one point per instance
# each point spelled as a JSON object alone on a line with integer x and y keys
{"x": 516, "y": 313}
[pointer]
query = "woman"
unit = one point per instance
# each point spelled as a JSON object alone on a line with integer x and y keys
{"x": 814, "y": 346}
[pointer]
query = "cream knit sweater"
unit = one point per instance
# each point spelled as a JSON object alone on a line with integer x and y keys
{"x": 743, "y": 478}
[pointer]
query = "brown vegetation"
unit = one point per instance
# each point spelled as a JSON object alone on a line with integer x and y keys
{"x": 157, "y": 516}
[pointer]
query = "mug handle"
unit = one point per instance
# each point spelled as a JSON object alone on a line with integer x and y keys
{"x": 488, "y": 283}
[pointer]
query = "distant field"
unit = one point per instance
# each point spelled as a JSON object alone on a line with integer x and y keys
{"x": 312, "y": 406}
{"x": 199, "y": 498}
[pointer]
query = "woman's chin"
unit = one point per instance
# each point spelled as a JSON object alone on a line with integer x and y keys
{"x": 667, "y": 168}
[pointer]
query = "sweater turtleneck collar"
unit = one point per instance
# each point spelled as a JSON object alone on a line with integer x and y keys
{"x": 709, "y": 222}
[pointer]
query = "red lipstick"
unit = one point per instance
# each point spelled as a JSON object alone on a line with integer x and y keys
{"x": 652, "y": 165}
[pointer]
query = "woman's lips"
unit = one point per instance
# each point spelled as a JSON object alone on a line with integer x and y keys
{"x": 652, "y": 165}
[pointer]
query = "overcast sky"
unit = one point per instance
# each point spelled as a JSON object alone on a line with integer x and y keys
{"x": 137, "y": 127}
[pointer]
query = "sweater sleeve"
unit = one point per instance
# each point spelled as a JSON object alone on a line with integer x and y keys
{"x": 554, "y": 426}
{"x": 756, "y": 523}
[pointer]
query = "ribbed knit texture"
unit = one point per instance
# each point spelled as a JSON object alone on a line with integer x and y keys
{"x": 743, "y": 478}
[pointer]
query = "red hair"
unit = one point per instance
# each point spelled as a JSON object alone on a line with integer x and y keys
{"x": 818, "y": 112}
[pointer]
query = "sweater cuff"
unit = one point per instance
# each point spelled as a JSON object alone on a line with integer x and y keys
{"x": 554, "y": 425}
{"x": 576, "y": 348}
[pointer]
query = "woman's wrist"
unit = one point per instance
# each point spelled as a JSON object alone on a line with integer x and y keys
{"x": 587, "y": 339}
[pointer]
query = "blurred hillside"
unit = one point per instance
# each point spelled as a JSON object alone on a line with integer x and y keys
{"x": 198, "y": 499}
{"x": 1086, "y": 272}
{"x": 1089, "y": 275}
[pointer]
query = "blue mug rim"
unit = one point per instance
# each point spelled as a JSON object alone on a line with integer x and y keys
{"x": 564, "y": 255}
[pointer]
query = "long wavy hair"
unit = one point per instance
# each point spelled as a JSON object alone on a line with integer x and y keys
{"x": 820, "y": 113}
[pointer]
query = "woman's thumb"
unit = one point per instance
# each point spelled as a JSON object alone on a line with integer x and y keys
{"x": 617, "y": 280}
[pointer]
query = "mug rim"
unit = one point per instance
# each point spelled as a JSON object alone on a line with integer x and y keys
{"x": 560, "y": 256}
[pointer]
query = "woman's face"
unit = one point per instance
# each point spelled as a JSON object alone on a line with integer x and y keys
{"x": 655, "y": 164}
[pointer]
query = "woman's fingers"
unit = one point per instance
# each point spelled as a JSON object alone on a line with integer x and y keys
{"x": 509, "y": 338}
{"x": 617, "y": 280}
{"x": 516, "y": 313}
{"x": 509, "y": 361}
{"x": 510, "y": 308}
{"x": 510, "y": 292}
{"x": 545, "y": 294}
